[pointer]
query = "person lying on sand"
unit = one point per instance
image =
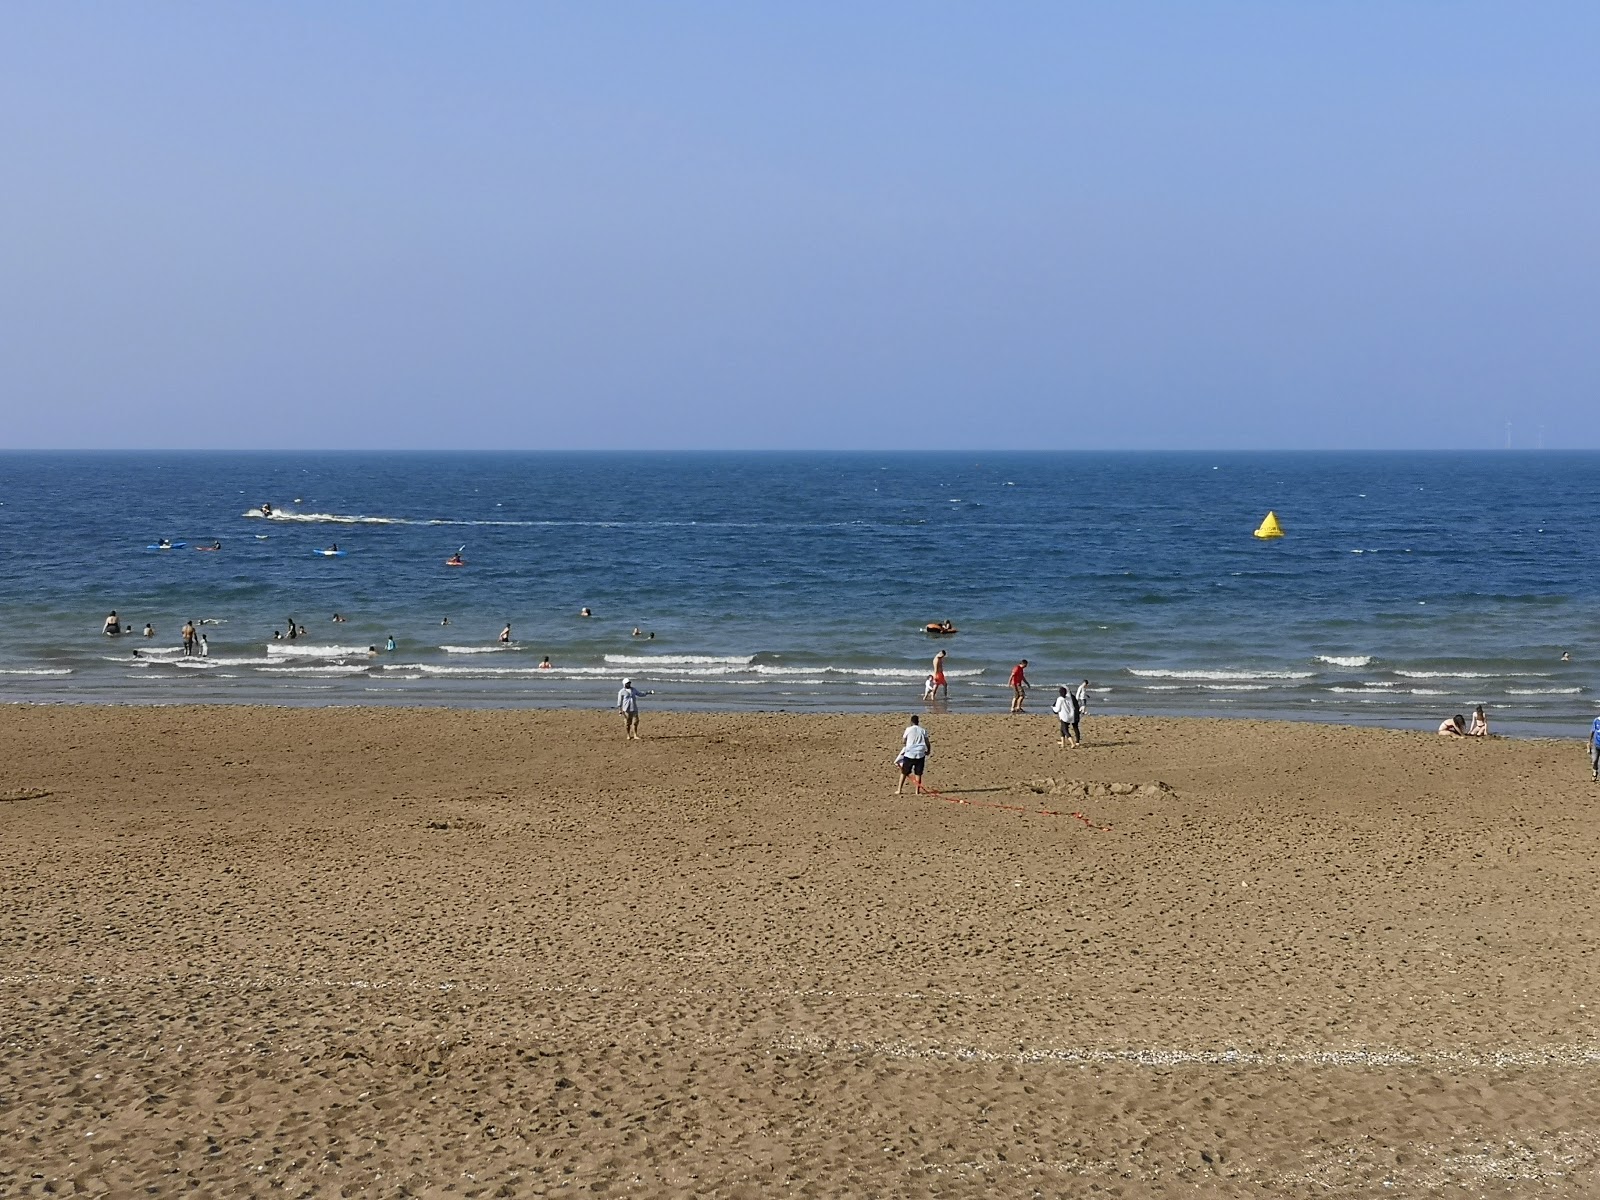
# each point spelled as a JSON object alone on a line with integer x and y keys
{"x": 1455, "y": 726}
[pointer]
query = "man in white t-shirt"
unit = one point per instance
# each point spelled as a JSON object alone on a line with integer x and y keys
{"x": 914, "y": 753}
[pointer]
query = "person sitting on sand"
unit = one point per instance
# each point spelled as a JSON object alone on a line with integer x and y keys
{"x": 1456, "y": 726}
{"x": 1480, "y": 723}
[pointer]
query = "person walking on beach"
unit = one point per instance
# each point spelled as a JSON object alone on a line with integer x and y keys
{"x": 1019, "y": 685}
{"x": 1594, "y": 750}
{"x": 628, "y": 706}
{"x": 915, "y": 747}
{"x": 1082, "y": 697}
{"x": 1066, "y": 710}
{"x": 939, "y": 681}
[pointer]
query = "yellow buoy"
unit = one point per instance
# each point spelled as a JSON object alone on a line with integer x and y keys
{"x": 1270, "y": 528}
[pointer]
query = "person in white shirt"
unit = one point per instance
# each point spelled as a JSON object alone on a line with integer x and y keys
{"x": 1066, "y": 710}
{"x": 628, "y": 706}
{"x": 913, "y": 757}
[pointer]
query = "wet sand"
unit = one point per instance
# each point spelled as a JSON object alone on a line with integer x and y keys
{"x": 311, "y": 952}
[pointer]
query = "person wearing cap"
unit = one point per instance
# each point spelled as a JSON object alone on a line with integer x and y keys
{"x": 628, "y": 706}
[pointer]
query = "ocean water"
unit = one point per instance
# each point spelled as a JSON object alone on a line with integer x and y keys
{"x": 1408, "y": 587}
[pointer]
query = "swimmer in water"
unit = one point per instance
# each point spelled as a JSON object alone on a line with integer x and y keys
{"x": 391, "y": 644}
{"x": 149, "y": 630}
{"x": 584, "y": 612}
{"x": 446, "y": 621}
{"x": 505, "y": 635}
{"x": 113, "y": 625}
{"x": 635, "y": 631}
{"x": 338, "y": 619}
{"x": 546, "y": 664}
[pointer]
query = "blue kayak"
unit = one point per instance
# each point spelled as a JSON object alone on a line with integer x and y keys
{"x": 329, "y": 553}
{"x": 168, "y": 546}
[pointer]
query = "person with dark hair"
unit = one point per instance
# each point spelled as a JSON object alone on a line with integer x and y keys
{"x": 1066, "y": 710}
{"x": 913, "y": 759}
{"x": 1019, "y": 685}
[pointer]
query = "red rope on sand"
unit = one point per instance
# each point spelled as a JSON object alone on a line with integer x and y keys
{"x": 1017, "y": 808}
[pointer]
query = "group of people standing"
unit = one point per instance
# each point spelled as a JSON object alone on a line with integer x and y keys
{"x": 1069, "y": 707}
{"x": 916, "y": 744}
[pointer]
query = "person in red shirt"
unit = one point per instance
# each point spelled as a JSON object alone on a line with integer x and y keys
{"x": 1019, "y": 685}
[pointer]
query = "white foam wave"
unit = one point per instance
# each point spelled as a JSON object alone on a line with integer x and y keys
{"x": 1220, "y": 676}
{"x": 497, "y": 648}
{"x": 1346, "y": 660}
{"x": 640, "y": 661}
{"x": 41, "y": 670}
{"x": 1553, "y": 691}
{"x": 291, "y": 650}
{"x": 1449, "y": 674}
{"x": 318, "y": 671}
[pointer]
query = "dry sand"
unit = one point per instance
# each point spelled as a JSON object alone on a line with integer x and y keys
{"x": 323, "y": 952}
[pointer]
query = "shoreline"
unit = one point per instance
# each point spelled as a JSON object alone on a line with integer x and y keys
{"x": 1428, "y": 725}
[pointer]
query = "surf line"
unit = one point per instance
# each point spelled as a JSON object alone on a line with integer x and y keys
{"x": 1016, "y": 808}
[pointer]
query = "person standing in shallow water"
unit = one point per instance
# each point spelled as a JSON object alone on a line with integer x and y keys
{"x": 939, "y": 681}
{"x": 1019, "y": 685}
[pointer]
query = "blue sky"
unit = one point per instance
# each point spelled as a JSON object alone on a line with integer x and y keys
{"x": 613, "y": 225}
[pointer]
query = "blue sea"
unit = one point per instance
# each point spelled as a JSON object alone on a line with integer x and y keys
{"x": 1409, "y": 586}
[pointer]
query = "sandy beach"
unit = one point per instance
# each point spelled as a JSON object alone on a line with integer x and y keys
{"x": 421, "y": 952}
